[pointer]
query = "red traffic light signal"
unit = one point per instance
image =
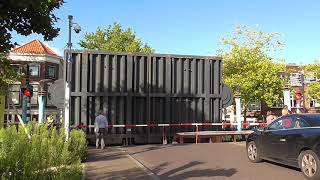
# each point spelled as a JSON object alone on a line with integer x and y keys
{"x": 27, "y": 92}
{"x": 298, "y": 96}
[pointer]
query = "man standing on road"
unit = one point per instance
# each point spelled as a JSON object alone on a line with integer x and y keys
{"x": 101, "y": 123}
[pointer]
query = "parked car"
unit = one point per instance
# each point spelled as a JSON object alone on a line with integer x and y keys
{"x": 293, "y": 140}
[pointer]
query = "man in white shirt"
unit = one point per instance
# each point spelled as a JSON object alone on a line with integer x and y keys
{"x": 101, "y": 123}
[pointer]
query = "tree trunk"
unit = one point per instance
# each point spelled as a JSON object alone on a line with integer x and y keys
{"x": 245, "y": 113}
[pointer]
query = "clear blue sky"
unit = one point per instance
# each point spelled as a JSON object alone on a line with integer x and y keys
{"x": 195, "y": 26}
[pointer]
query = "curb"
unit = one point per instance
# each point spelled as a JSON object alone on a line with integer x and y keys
{"x": 142, "y": 167}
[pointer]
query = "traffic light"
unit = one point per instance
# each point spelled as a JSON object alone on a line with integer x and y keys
{"x": 27, "y": 90}
{"x": 298, "y": 95}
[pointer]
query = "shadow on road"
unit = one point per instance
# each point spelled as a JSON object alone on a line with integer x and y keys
{"x": 120, "y": 174}
{"x": 182, "y": 172}
{"x": 152, "y": 148}
{"x": 282, "y": 165}
{"x": 95, "y": 155}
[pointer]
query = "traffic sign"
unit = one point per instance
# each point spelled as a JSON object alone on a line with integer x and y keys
{"x": 56, "y": 93}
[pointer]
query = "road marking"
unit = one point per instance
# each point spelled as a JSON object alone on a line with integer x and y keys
{"x": 141, "y": 166}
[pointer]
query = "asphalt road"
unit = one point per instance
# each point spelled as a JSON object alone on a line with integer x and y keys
{"x": 208, "y": 161}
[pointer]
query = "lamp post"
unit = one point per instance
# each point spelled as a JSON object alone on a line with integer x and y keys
{"x": 67, "y": 76}
{"x": 286, "y": 89}
{"x": 303, "y": 93}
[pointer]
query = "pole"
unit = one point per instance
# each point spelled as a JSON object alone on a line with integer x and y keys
{"x": 303, "y": 99}
{"x": 286, "y": 98}
{"x": 67, "y": 74}
{"x": 41, "y": 101}
{"x": 197, "y": 129}
{"x": 286, "y": 93}
{"x": 298, "y": 106}
{"x": 238, "y": 112}
{"x": 26, "y": 106}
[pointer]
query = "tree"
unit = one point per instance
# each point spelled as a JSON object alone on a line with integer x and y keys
{"x": 26, "y": 17}
{"x": 249, "y": 68}
{"x": 313, "y": 90}
{"x": 7, "y": 74}
{"x": 115, "y": 38}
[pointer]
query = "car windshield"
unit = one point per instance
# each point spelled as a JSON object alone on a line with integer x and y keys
{"x": 312, "y": 119}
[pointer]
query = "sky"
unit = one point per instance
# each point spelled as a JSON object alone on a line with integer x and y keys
{"x": 194, "y": 27}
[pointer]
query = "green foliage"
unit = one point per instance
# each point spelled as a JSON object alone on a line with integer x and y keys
{"x": 115, "y": 38}
{"x": 248, "y": 66}
{"x": 7, "y": 74}
{"x": 313, "y": 91}
{"x": 78, "y": 145}
{"x": 45, "y": 156}
{"x": 313, "y": 69}
{"x": 26, "y": 17}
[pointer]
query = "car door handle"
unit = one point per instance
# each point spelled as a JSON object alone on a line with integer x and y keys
{"x": 283, "y": 140}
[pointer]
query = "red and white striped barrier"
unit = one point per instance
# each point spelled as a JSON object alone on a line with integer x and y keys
{"x": 164, "y": 137}
{"x": 174, "y": 125}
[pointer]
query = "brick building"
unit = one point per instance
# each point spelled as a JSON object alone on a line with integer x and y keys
{"x": 297, "y": 81}
{"x": 44, "y": 65}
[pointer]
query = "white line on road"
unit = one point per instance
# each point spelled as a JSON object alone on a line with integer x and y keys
{"x": 143, "y": 167}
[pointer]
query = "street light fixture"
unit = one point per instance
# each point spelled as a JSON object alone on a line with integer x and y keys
{"x": 67, "y": 76}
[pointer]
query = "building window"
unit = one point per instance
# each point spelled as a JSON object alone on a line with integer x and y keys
{"x": 34, "y": 98}
{"x": 314, "y": 103}
{"x": 34, "y": 70}
{"x": 278, "y": 104}
{"x": 255, "y": 106}
{"x": 48, "y": 101}
{"x": 14, "y": 93}
{"x": 17, "y": 68}
{"x": 52, "y": 72}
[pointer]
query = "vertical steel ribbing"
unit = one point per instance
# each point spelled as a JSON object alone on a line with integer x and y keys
{"x": 142, "y": 89}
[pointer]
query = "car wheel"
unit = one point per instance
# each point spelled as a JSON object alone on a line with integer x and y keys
{"x": 309, "y": 164}
{"x": 253, "y": 153}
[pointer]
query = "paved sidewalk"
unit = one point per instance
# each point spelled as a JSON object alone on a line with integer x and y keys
{"x": 112, "y": 163}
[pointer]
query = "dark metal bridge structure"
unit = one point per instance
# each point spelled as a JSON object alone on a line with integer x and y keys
{"x": 146, "y": 89}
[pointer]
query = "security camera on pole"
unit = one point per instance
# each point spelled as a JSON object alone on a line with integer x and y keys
{"x": 67, "y": 76}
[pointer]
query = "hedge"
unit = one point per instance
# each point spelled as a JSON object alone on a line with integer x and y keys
{"x": 45, "y": 156}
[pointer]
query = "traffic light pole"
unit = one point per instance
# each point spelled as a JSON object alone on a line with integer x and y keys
{"x": 26, "y": 106}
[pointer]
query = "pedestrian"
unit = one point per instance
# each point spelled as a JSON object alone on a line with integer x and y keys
{"x": 285, "y": 111}
{"x": 101, "y": 123}
{"x": 270, "y": 117}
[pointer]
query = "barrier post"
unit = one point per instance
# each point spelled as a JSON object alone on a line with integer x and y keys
{"x": 196, "y": 134}
{"x": 164, "y": 137}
